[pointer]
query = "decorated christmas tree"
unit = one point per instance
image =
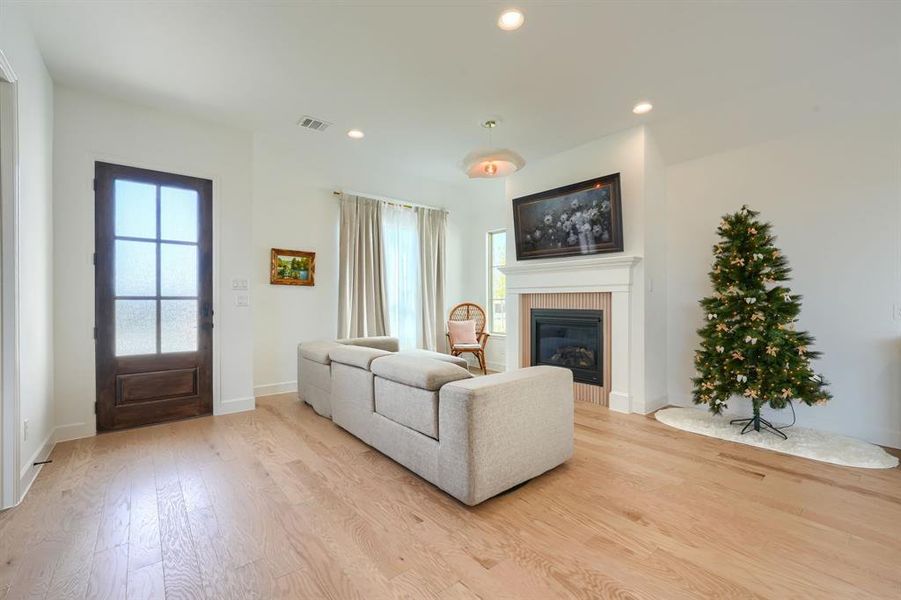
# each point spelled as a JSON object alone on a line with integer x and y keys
{"x": 750, "y": 346}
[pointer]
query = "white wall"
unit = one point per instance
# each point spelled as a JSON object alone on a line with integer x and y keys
{"x": 655, "y": 284}
{"x": 35, "y": 128}
{"x": 89, "y": 127}
{"x": 290, "y": 211}
{"x": 833, "y": 194}
{"x": 294, "y": 208}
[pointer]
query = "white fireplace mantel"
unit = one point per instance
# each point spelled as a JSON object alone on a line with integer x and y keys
{"x": 576, "y": 275}
{"x": 605, "y": 274}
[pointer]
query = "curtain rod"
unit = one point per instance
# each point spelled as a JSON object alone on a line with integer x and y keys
{"x": 392, "y": 201}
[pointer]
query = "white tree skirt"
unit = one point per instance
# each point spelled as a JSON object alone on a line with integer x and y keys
{"x": 809, "y": 443}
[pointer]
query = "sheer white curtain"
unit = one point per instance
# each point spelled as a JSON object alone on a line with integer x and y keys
{"x": 403, "y": 291}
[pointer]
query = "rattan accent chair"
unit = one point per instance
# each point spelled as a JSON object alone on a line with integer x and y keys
{"x": 467, "y": 311}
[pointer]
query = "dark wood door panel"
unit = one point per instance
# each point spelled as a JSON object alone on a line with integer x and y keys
{"x": 153, "y": 287}
{"x": 155, "y": 386}
{"x": 135, "y": 415}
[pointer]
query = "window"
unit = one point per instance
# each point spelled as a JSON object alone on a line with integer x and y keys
{"x": 400, "y": 242}
{"x": 497, "y": 282}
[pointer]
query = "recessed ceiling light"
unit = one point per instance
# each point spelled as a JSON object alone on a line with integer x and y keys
{"x": 355, "y": 134}
{"x": 511, "y": 19}
{"x": 642, "y": 108}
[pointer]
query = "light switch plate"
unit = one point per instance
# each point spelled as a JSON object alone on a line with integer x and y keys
{"x": 239, "y": 284}
{"x": 896, "y": 312}
{"x": 242, "y": 300}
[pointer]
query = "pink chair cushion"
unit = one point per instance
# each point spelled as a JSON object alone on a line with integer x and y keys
{"x": 462, "y": 332}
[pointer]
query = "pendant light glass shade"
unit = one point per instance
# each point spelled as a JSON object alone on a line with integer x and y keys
{"x": 494, "y": 162}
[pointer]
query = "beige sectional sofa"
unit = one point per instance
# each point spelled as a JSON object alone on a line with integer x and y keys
{"x": 472, "y": 437}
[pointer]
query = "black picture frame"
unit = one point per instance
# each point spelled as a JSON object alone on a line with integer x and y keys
{"x": 574, "y": 220}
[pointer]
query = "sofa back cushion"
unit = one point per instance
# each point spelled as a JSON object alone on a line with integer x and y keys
{"x": 381, "y": 342}
{"x": 317, "y": 351}
{"x": 418, "y": 372}
{"x": 356, "y": 356}
{"x": 414, "y": 408}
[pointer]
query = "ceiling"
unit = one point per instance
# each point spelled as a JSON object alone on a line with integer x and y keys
{"x": 419, "y": 76}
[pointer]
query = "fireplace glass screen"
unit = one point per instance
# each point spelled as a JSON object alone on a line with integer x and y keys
{"x": 571, "y": 339}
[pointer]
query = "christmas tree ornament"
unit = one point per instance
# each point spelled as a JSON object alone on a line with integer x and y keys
{"x": 748, "y": 292}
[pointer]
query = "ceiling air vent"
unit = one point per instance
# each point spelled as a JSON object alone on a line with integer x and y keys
{"x": 308, "y": 122}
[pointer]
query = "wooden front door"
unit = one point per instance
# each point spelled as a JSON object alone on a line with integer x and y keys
{"x": 154, "y": 296}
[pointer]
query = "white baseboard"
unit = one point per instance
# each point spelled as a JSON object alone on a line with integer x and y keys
{"x": 73, "y": 431}
{"x": 227, "y": 407}
{"x": 619, "y": 402}
{"x": 270, "y": 389}
{"x": 29, "y": 471}
{"x": 655, "y": 404}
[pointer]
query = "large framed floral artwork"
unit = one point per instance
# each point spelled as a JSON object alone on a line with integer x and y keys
{"x": 578, "y": 219}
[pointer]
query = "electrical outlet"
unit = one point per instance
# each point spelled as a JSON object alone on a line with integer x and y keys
{"x": 239, "y": 284}
{"x": 25, "y": 430}
{"x": 896, "y": 312}
{"x": 242, "y": 300}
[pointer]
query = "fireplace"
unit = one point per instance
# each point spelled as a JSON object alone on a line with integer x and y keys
{"x": 569, "y": 338}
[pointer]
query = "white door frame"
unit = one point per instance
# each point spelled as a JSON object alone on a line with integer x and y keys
{"x": 9, "y": 287}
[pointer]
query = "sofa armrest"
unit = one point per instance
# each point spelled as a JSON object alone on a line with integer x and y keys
{"x": 500, "y": 430}
{"x": 483, "y": 339}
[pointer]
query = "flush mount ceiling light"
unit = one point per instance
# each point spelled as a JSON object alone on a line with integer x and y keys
{"x": 642, "y": 108}
{"x": 511, "y": 19}
{"x": 492, "y": 162}
{"x": 356, "y": 134}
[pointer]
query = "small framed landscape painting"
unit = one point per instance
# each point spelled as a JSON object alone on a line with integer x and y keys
{"x": 582, "y": 218}
{"x": 292, "y": 267}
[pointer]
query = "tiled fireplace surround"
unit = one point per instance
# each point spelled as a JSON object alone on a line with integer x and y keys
{"x": 588, "y": 283}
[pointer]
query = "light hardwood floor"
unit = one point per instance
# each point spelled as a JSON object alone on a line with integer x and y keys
{"x": 280, "y": 503}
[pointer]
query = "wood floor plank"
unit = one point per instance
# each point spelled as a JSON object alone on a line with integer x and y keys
{"x": 281, "y": 503}
{"x": 109, "y": 574}
{"x": 181, "y": 572}
{"x": 144, "y": 526}
{"x": 115, "y": 511}
{"x": 146, "y": 583}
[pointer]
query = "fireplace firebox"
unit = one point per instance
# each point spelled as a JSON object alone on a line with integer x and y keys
{"x": 571, "y": 339}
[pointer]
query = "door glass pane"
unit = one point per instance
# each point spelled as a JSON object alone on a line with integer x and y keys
{"x": 135, "y": 266}
{"x": 178, "y": 270}
{"x": 135, "y": 209}
{"x": 178, "y": 214}
{"x": 178, "y": 326}
{"x": 135, "y": 327}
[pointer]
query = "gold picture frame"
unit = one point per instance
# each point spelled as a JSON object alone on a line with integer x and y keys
{"x": 292, "y": 267}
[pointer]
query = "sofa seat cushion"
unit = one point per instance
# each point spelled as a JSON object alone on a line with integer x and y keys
{"x": 408, "y": 406}
{"x": 454, "y": 360}
{"x": 418, "y": 372}
{"x": 356, "y": 356}
{"x": 318, "y": 351}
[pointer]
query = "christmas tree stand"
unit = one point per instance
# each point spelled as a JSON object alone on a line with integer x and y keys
{"x": 757, "y": 423}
